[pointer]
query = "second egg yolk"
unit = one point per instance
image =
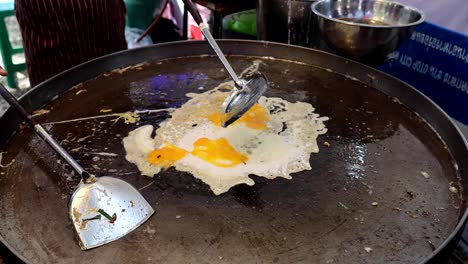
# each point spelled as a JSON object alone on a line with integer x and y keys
{"x": 255, "y": 118}
{"x": 218, "y": 152}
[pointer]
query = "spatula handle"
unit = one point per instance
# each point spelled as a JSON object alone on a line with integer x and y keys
{"x": 61, "y": 151}
{"x": 206, "y": 32}
{"x": 43, "y": 133}
{"x": 16, "y": 105}
{"x": 193, "y": 11}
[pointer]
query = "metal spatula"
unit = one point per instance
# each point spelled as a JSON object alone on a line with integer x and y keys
{"x": 246, "y": 92}
{"x": 102, "y": 209}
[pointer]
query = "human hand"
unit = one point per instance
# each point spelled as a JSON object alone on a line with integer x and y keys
{"x": 3, "y": 72}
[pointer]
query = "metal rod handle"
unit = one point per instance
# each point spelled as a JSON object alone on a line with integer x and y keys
{"x": 61, "y": 151}
{"x": 206, "y": 32}
{"x": 191, "y": 8}
{"x": 16, "y": 105}
{"x": 42, "y": 133}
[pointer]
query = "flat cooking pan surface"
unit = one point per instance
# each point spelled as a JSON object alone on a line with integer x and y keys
{"x": 378, "y": 150}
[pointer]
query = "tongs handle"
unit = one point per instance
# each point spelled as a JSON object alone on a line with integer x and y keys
{"x": 42, "y": 132}
{"x": 206, "y": 32}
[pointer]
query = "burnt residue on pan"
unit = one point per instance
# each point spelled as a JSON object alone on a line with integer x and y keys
{"x": 378, "y": 192}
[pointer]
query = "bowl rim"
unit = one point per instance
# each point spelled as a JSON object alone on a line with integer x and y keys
{"x": 419, "y": 21}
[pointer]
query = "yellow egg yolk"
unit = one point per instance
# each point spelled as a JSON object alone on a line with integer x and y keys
{"x": 218, "y": 152}
{"x": 255, "y": 118}
{"x": 166, "y": 156}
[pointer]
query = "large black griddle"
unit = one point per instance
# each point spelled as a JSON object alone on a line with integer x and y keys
{"x": 379, "y": 144}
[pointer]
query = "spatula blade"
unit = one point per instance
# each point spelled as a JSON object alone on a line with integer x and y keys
{"x": 92, "y": 204}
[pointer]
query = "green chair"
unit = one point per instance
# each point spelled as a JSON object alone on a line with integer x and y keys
{"x": 6, "y": 50}
{"x": 140, "y": 13}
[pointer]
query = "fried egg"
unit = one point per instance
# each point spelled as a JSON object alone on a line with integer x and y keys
{"x": 273, "y": 139}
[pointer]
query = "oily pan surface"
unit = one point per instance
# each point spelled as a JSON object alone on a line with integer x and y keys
{"x": 378, "y": 150}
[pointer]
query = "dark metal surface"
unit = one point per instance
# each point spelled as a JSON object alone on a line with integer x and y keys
{"x": 378, "y": 149}
{"x": 287, "y": 21}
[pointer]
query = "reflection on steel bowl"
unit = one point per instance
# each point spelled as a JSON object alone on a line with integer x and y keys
{"x": 365, "y": 30}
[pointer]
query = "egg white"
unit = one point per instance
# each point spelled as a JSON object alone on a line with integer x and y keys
{"x": 283, "y": 148}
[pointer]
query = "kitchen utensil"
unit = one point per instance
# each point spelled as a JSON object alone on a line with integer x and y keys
{"x": 102, "y": 209}
{"x": 245, "y": 93}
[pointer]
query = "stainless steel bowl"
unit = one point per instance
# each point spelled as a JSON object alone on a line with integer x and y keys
{"x": 365, "y": 30}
